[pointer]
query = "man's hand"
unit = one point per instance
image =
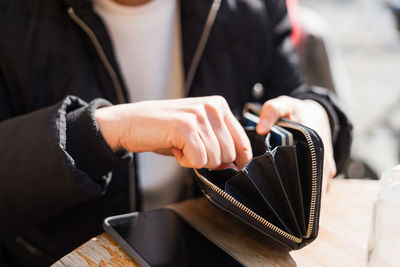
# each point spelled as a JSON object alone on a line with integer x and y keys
{"x": 307, "y": 112}
{"x": 199, "y": 132}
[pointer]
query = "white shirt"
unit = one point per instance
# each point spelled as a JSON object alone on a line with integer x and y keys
{"x": 147, "y": 44}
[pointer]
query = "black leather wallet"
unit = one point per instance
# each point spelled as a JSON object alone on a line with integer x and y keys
{"x": 279, "y": 191}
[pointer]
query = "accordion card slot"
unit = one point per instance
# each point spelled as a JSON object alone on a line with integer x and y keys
{"x": 305, "y": 170}
{"x": 263, "y": 173}
{"x": 245, "y": 191}
{"x": 286, "y": 163}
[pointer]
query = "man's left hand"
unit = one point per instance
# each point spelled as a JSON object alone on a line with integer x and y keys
{"x": 307, "y": 112}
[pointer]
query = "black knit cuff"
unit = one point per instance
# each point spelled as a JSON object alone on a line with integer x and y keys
{"x": 86, "y": 145}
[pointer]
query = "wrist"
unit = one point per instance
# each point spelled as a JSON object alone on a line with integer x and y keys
{"x": 108, "y": 121}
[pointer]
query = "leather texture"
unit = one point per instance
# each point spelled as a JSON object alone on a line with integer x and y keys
{"x": 279, "y": 191}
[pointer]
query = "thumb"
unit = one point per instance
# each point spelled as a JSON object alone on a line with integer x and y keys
{"x": 273, "y": 110}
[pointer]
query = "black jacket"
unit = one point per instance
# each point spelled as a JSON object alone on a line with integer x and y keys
{"x": 58, "y": 177}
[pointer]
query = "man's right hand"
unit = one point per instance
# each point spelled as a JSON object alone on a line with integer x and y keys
{"x": 199, "y": 132}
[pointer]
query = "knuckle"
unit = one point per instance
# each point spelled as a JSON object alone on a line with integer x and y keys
{"x": 230, "y": 157}
{"x": 218, "y": 98}
{"x": 184, "y": 123}
{"x": 185, "y": 126}
{"x": 213, "y": 164}
{"x": 270, "y": 105}
{"x": 214, "y": 158}
{"x": 201, "y": 118}
{"x": 217, "y": 107}
{"x": 283, "y": 98}
{"x": 198, "y": 159}
{"x": 287, "y": 99}
{"x": 198, "y": 114}
{"x": 211, "y": 108}
{"x": 247, "y": 151}
{"x": 198, "y": 165}
{"x": 195, "y": 109}
{"x": 220, "y": 101}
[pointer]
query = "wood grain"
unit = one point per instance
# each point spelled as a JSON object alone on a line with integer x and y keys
{"x": 342, "y": 241}
{"x": 99, "y": 251}
{"x": 345, "y": 225}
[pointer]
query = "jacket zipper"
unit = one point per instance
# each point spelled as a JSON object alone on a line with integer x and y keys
{"x": 212, "y": 14}
{"x": 100, "y": 51}
{"x": 261, "y": 219}
{"x": 118, "y": 91}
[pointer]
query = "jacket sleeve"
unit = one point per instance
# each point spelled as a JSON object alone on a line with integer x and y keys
{"x": 44, "y": 169}
{"x": 284, "y": 77}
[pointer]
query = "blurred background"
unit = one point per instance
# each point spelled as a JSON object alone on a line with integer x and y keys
{"x": 361, "y": 40}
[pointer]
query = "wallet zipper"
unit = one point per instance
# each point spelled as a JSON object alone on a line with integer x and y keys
{"x": 313, "y": 175}
{"x": 261, "y": 219}
{"x": 235, "y": 202}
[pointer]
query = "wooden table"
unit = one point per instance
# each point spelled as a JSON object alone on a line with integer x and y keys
{"x": 345, "y": 223}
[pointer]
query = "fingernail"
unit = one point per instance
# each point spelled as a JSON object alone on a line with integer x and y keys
{"x": 262, "y": 126}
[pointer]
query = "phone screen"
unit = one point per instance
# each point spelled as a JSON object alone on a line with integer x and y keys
{"x": 162, "y": 238}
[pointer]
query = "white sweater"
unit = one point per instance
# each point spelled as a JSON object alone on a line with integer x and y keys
{"x": 147, "y": 43}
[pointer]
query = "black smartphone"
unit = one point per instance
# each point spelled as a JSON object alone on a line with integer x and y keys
{"x": 162, "y": 238}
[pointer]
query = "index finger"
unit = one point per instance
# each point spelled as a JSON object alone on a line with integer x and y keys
{"x": 242, "y": 143}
